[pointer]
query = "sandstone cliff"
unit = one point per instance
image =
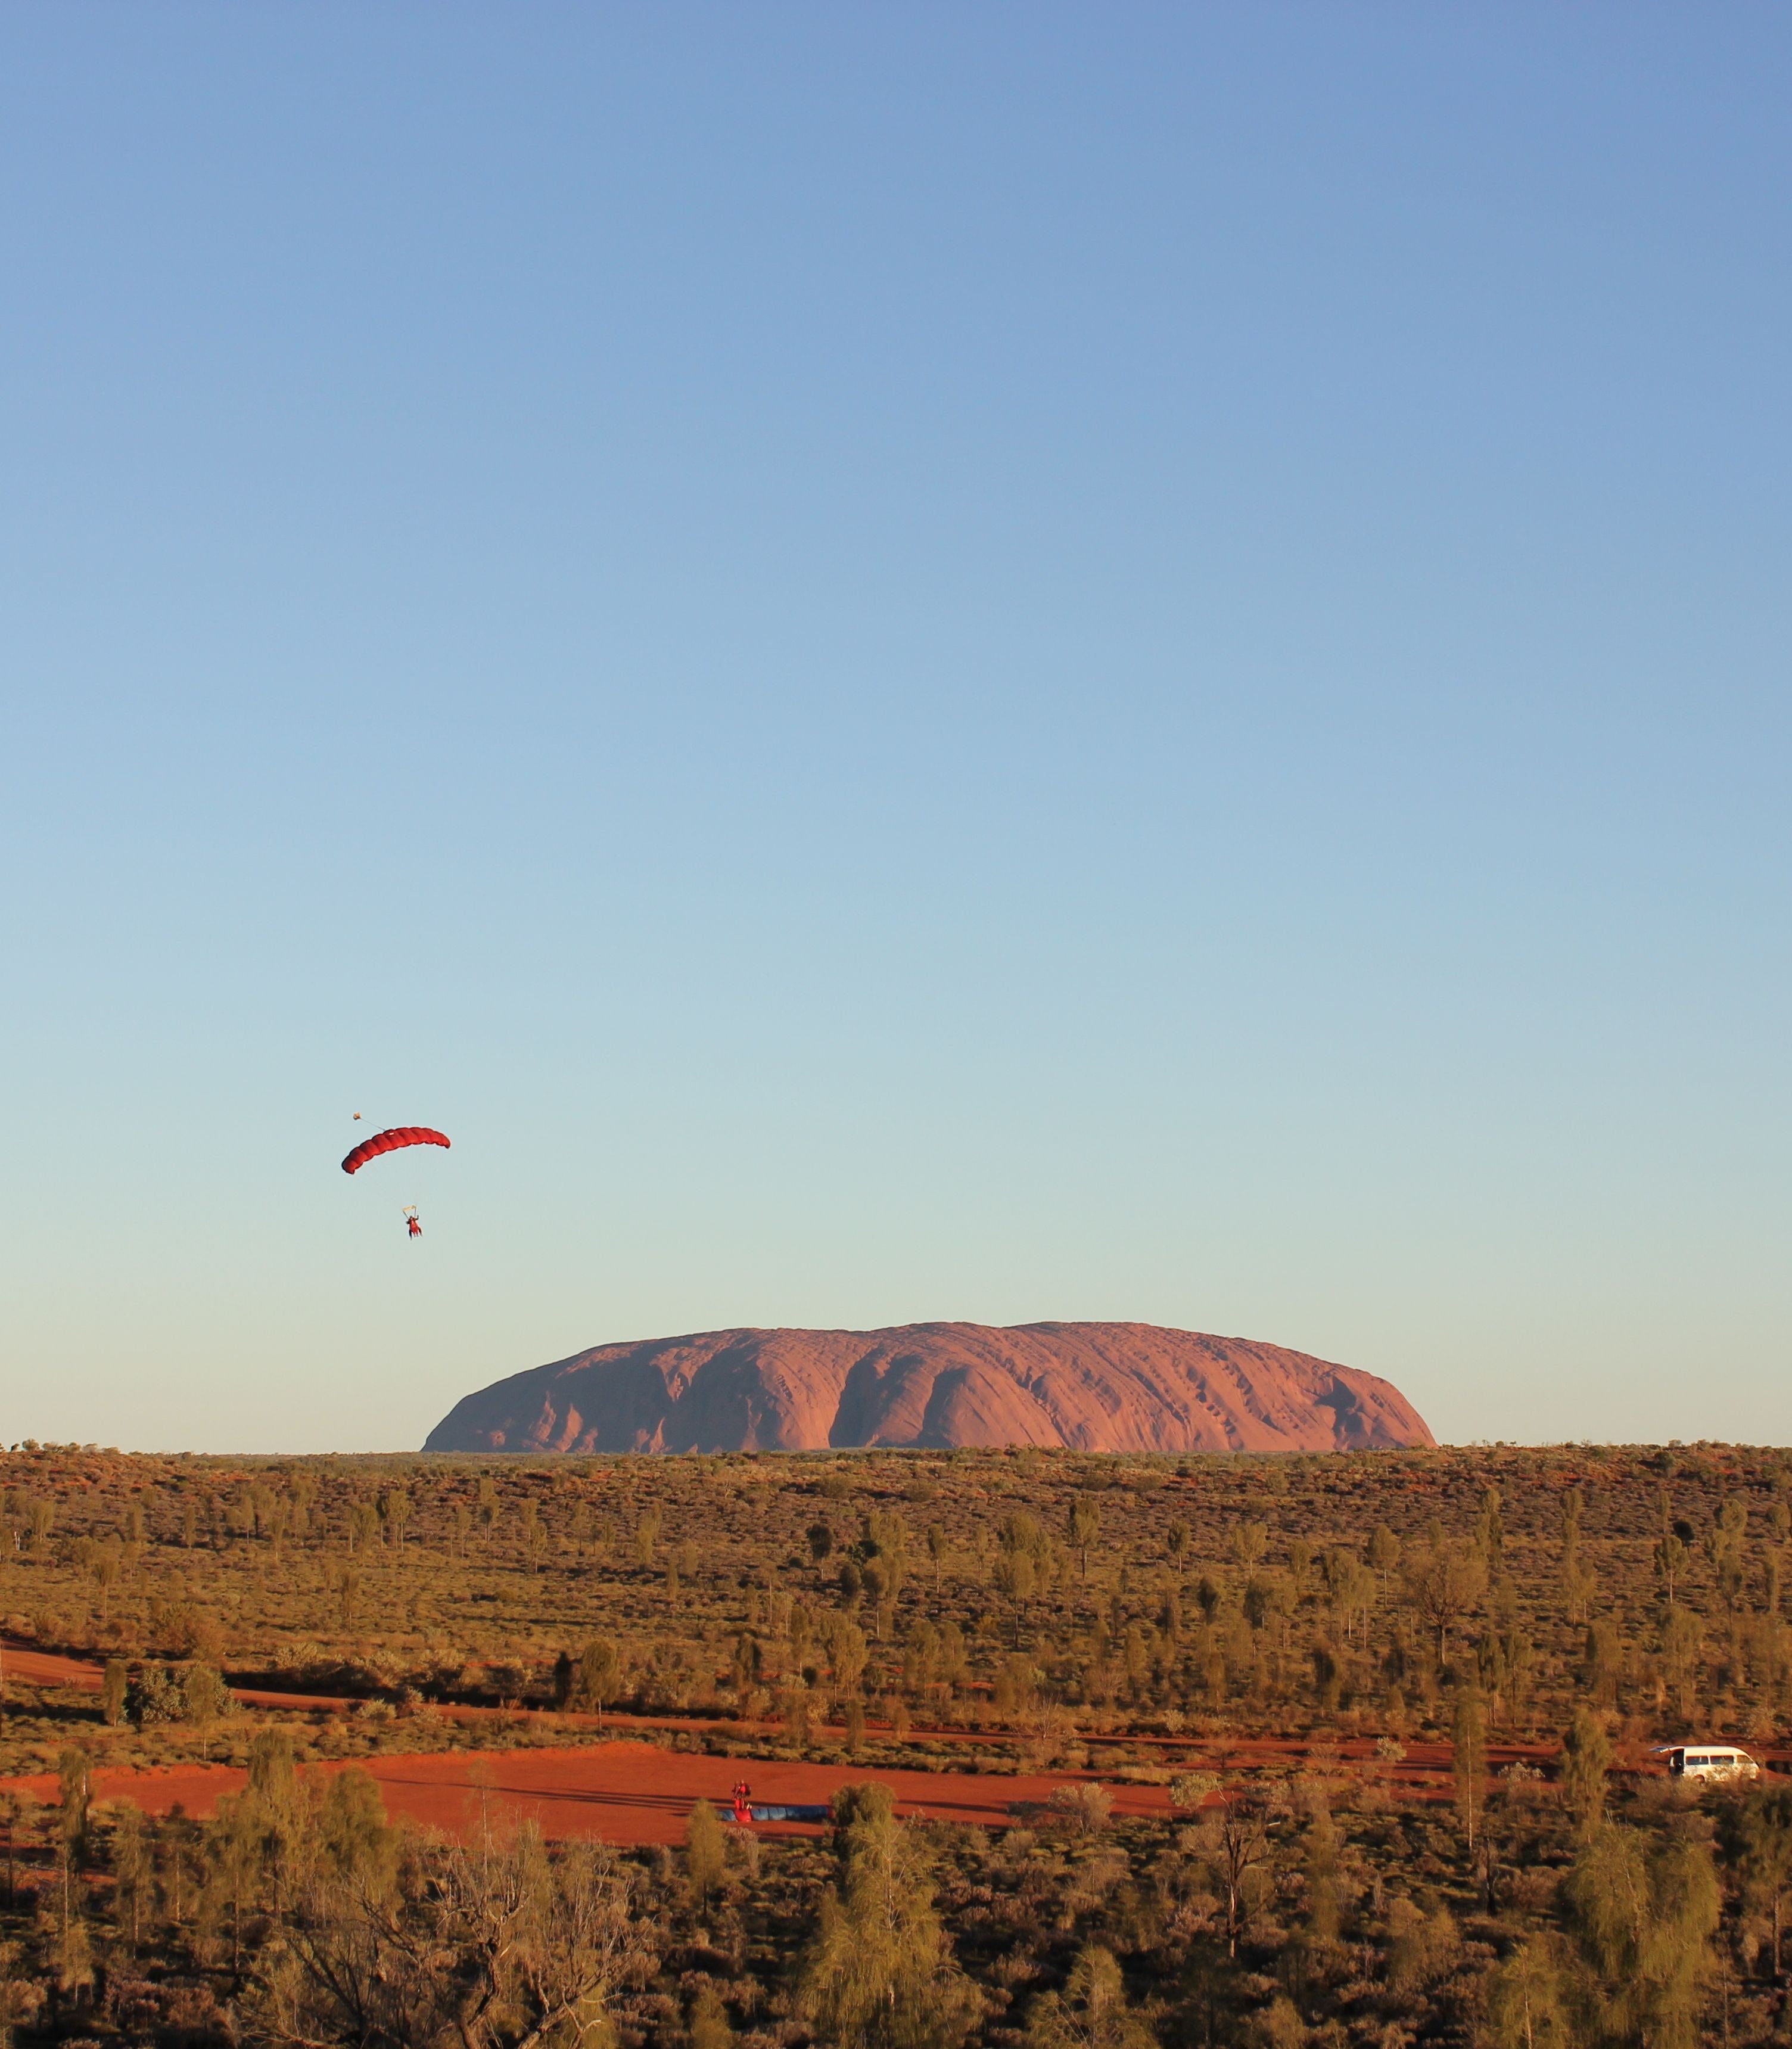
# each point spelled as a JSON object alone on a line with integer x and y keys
{"x": 1098, "y": 1387}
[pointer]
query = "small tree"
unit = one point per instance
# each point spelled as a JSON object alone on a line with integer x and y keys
{"x": 1320, "y": 1859}
{"x": 710, "y": 2027}
{"x": 207, "y": 1699}
{"x": 1641, "y": 1921}
{"x": 134, "y": 1888}
{"x": 16, "y": 1813}
{"x": 846, "y": 1652}
{"x": 112, "y": 1691}
{"x": 501, "y": 1945}
{"x": 1469, "y": 1761}
{"x": 274, "y": 1776}
{"x": 1525, "y": 2000}
{"x": 797, "y": 1707}
{"x": 73, "y": 1953}
{"x": 1234, "y": 1841}
{"x": 394, "y": 1513}
{"x": 1757, "y": 1837}
{"x": 1383, "y": 1553}
{"x": 1682, "y": 1641}
{"x": 104, "y": 1562}
{"x": 1189, "y": 1790}
{"x": 705, "y": 1852}
{"x": 1092, "y": 2012}
{"x": 600, "y": 1674}
{"x": 236, "y": 1853}
{"x": 1444, "y": 1582}
{"x": 1083, "y": 1808}
{"x": 156, "y": 1695}
{"x": 881, "y": 1974}
{"x": 1586, "y": 1759}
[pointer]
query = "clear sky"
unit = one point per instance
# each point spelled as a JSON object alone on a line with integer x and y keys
{"x": 907, "y": 661}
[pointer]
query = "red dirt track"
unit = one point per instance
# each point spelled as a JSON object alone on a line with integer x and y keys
{"x": 618, "y": 1792}
{"x": 44, "y": 1668}
{"x": 626, "y": 1791}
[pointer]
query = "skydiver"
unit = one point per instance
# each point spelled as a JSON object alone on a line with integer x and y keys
{"x": 415, "y": 1228}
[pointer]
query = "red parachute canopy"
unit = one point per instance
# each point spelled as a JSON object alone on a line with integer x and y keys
{"x": 390, "y": 1141}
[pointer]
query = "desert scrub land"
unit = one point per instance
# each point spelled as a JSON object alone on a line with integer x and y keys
{"x": 1036, "y": 1598}
{"x": 1277, "y": 1640}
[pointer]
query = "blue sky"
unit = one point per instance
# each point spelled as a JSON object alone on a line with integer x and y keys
{"x": 908, "y": 662}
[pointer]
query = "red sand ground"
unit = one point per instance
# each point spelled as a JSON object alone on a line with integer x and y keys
{"x": 46, "y": 1668}
{"x": 43, "y": 1668}
{"x": 621, "y": 1792}
{"x": 626, "y": 1791}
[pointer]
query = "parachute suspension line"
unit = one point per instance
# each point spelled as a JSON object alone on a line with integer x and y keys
{"x": 394, "y": 1140}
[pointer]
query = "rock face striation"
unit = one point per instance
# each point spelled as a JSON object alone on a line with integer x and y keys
{"x": 1095, "y": 1387}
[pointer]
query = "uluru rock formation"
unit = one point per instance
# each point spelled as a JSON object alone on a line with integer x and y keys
{"x": 1095, "y": 1387}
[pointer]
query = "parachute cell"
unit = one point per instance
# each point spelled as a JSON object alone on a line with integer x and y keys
{"x": 390, "y": 1141}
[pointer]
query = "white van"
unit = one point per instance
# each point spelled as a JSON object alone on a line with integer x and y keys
{"x": 1709, "y": 1760}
